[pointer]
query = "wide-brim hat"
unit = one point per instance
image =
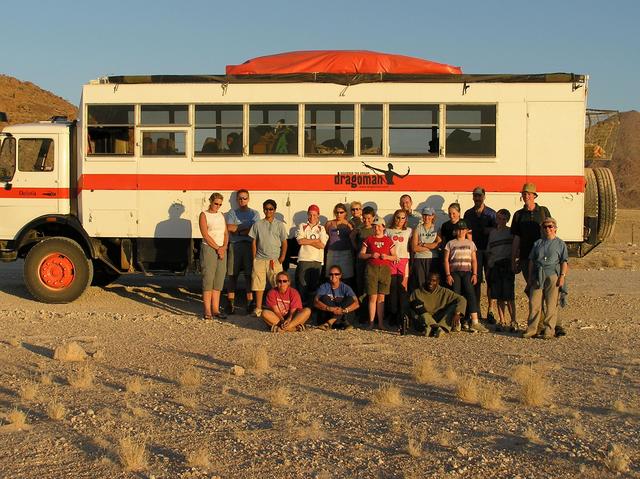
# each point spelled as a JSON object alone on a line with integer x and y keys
{"x": 529, "y": 188}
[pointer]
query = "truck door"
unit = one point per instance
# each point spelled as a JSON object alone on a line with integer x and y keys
{"x": 29, "y": 182}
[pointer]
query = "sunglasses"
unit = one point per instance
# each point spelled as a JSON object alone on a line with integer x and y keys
{"x": 401, "y": 217}
{"x": 282, "y": 281}
{"x": 218, "y": 204}
{"x": 269, "y": 209}
{"x": 243, "y": 198}
{"x": 340, "y": 212}
{"x": 356, "y": 209}
{"x": 548, "y": 227}
{"x": 335, "y": 274}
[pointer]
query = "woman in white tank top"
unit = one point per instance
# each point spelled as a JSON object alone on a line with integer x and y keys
{"x": 213, "y": 261}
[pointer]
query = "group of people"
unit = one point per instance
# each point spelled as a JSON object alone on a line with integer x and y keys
{"x": 407, "y": 272}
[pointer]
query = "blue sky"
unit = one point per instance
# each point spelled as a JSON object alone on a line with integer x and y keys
{"x": 61, "y": 45}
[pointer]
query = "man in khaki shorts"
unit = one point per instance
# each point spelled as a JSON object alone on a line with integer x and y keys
{"x": 269, "y": 248}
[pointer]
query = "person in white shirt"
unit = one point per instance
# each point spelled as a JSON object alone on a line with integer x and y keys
{"x": 312, "y": 238}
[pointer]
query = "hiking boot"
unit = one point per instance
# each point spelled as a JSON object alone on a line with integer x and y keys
{"x": 465, "y": 326}
{"x": 438, "y": 332}
{"x": 560, "y": 331}
{"x": 478, "y": 328}
{"x": 491, "y": 319}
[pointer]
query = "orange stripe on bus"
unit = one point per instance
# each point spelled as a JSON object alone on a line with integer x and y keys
{"x": 444, "y": 183}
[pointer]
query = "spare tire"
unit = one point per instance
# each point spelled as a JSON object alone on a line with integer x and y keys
{"x": 590, "y": 194}
{"x": 607, "y": 202}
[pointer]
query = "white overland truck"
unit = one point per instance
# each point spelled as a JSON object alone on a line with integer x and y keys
{"x": 120, "y": 190}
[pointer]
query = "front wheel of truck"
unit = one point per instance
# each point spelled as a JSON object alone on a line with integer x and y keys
{"x": 56, "y": 270}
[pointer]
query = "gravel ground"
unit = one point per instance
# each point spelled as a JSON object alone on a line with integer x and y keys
{"x": 330, "y": 424}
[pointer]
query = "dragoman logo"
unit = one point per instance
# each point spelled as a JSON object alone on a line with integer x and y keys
{"x": 378, "y": 177}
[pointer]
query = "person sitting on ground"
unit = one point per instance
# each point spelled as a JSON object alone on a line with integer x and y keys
{"x": 284, "y": 311}
{"x": 501, "y": 278}
{"x": 379, "y": 252}
{"x": 335, "y": 302}
{"x": 436, "y": 309}
{"x": 461, "y": 268}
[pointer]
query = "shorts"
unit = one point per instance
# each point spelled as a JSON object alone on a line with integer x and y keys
{"x": 240, "y": 259}
{"x": 213, "y": 269}
{"x": 400, "y": 268}
{"x": 378, "y": 279}
{"x": 263, "y": 273}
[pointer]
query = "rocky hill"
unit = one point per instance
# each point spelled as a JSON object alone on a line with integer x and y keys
{"x": 25, "y": 102}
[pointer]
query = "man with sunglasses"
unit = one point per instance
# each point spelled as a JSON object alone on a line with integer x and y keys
{"x": 284, "y": 313}
{"x": 268, "y": 248}
{"x": 335, "y": 302}
{"x": 239, "y": 223}
{"x": 548, "y": 265}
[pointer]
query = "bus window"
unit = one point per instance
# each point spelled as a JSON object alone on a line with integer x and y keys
{"x": 218, "y": 130}
{"x": 371, "y": 129}
{"x": 471, "y": 130}
{"x": 328, "y": 130}
{"x": 164, "y": 115}
{"x": 7, "y": 159}
{"x": 413, "y": 130}
{"x": 35, "y": 154}
{"x": 110, "y": 129}
{"x": 164, "y": 143}
{"x": 273, "y": 129}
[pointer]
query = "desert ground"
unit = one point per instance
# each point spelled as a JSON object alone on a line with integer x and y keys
{"x": 164, "y": 394}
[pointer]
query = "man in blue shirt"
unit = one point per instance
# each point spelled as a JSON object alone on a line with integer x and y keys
{"x": 239, "y": 222}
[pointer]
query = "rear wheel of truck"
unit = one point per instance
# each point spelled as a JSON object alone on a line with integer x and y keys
{"x": 56, "y": 270}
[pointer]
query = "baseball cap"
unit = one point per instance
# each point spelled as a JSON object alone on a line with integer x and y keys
{"x": 313, "y": 208}
{"x": 428, "y": 211}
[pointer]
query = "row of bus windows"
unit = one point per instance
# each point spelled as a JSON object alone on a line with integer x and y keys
{"x": 274, "y": 130}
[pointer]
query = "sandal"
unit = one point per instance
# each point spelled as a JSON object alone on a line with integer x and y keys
{"x": 324, "y": 326}
{"x": 207, "y": 317}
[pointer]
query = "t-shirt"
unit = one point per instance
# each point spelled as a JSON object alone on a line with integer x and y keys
{"x": 269, "y": 237}
{"x": 216, "y": 226}
{"x": 526, "y": 225}
{"x": 549, "y": 254}
{"x": 499, "y": 246}
{"x": 447, "y": 232}
{"x": 308, "y": 252}
{"x": 478, "y": 225}
{"x": 339, "y": 239}
{"x": 460, "y": 255}
{"x": 427, "y": 236}
{"x": 283, "y": 302}
{"x": 401, "y": 239}
{"x": 378, "y": 245}
{"x": 342, "y": 291}
{"x": 244, "y": 219}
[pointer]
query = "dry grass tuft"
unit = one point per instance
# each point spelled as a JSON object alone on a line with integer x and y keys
{"x": 305, "y": 427}
{"x": 280, "y": 396}
{"x": 135, "y": 385}
{"x": 620, "y": 407}
{"x": 189, "y": 378}
{"x": 14, "y": 342}
{"x": 258, "y": 360}
{"x": 56, "y": 410}
{"x": 535, "y": 390}
{"x": 82, "y": 379}
{"x": 467, "y": 389}
{"x": 17, "y": 420}
{"x": 70, "y": 352}
{"x": 617, "y": 459}
{"x": 132, "y": 453}
{"x": 490, "y": 397}
{"x": 578, "y": 431}
{"x": 612, "y": 262}
{"x": 533, "y": 437}
{"x": 425, "y": 372}
{"x": 28, "y": 391}
{"x": 414, "y": 446}
{"x": 388, "y": 395}
{"x": 451, "y": 375}
{"x": 199, "y": 458}
{"x": 46, "y": 379}
{"x": 187, "y": 400}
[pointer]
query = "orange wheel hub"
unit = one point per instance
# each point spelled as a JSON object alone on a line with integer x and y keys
{"x": 57, "y": 271}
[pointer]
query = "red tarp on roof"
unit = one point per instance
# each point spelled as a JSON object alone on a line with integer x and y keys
{"x": 339, "y": 61}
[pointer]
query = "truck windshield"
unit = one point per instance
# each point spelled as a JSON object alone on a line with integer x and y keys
{"x": 7, "y": 158}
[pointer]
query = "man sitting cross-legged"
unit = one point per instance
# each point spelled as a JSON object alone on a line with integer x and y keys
{"x": 335, "y": 302}
{"x": 285, "y": 312}
{"x": 436, "y": 308}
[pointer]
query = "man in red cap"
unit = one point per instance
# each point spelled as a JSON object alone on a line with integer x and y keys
{"x": 312, "y": 238}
